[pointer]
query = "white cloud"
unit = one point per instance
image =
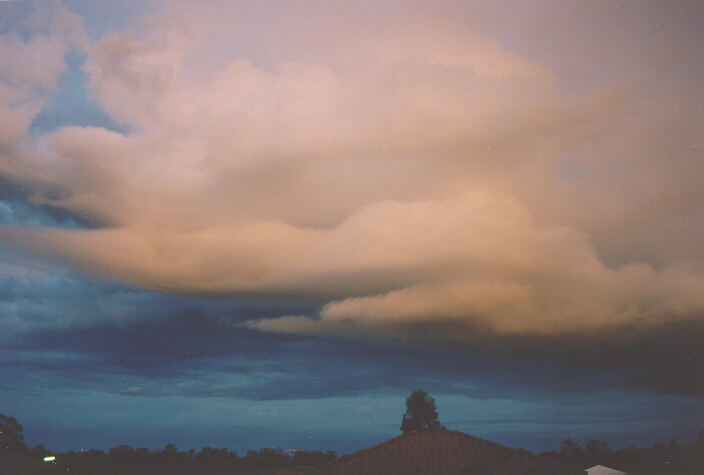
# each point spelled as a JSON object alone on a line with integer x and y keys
{"x": 406, "y": 174}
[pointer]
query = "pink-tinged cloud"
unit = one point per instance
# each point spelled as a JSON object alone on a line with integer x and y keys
{"x": 29, "y": 71}
{"x": 413, "y": 172}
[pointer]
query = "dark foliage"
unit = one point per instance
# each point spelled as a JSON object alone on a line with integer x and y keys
{"x": 125, "y": 460}
{"x": 660, "y": 459}
{"x": 421, "y": 414}
{"x": 11, "y": 437}
{"x": 312, "y": 458}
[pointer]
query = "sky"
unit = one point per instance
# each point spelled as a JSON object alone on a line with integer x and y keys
{"x": 263, "y": 224}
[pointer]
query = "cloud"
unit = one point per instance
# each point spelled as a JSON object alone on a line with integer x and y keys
{"x": 32, "y": 51}
{"x": 418, "y": 173}
{"x": 33, "y": 297}
{"x": 195, "y": 354}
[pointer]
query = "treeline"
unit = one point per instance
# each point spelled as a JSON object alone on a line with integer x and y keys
{"x": 16, "y": 458}
{"x": 142, "y": 461}
{"x": 660, "y": 459}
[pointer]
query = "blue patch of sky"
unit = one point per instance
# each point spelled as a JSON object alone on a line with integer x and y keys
{"x": 13, "y": 14}
{"x": 72, "y": 104}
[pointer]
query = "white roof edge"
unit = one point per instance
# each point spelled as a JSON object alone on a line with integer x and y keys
{"x": 612, "y": 470}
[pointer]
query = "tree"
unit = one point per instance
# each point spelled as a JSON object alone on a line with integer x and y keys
{"x": 39, "y": 452}
{"x": 312, "y": 458}
{"x": 170, "y": 449}
{"x": 421, "y": 414}
{"x": 11, "y": 434}
{"x": 594, "y": 447}
{"x": 568, "y": 447}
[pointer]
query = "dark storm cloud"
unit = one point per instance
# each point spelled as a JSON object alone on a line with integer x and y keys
{"x": 32, "y": 300}
{"x": 30, "y": 204}
{"x": 26, "y": 214}
{"x": 662, "y": 357}
{"x": 665, "y": 358}
{"x": 193, "y": 354}
{"x": 12, "y": 190}
{"x": 187, "y": 334}
{"x": 135, "y": 342}
{"x": 35, "y": 297}
{"x": 27, "y": 204}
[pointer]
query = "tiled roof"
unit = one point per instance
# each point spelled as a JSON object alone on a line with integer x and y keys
{"x": 436, "y": 453}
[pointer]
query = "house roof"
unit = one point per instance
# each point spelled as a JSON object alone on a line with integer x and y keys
{"x": 437, "y": 453}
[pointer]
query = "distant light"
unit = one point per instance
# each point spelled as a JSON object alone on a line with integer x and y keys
{"x": 50, "y": 458}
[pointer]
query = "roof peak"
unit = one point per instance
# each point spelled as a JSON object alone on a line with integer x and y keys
{"x": 413, "y": 434}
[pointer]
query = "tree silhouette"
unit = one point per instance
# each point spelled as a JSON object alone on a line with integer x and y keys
{"x": 421, "y": 414}
{"x": 11, "y": 434}
{"x": 568, "y": 447}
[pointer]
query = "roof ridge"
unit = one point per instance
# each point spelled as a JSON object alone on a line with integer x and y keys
{"x": 474, "y": 437}
{"x": 367, "y": 449}
{"x": 348, "y": 457}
